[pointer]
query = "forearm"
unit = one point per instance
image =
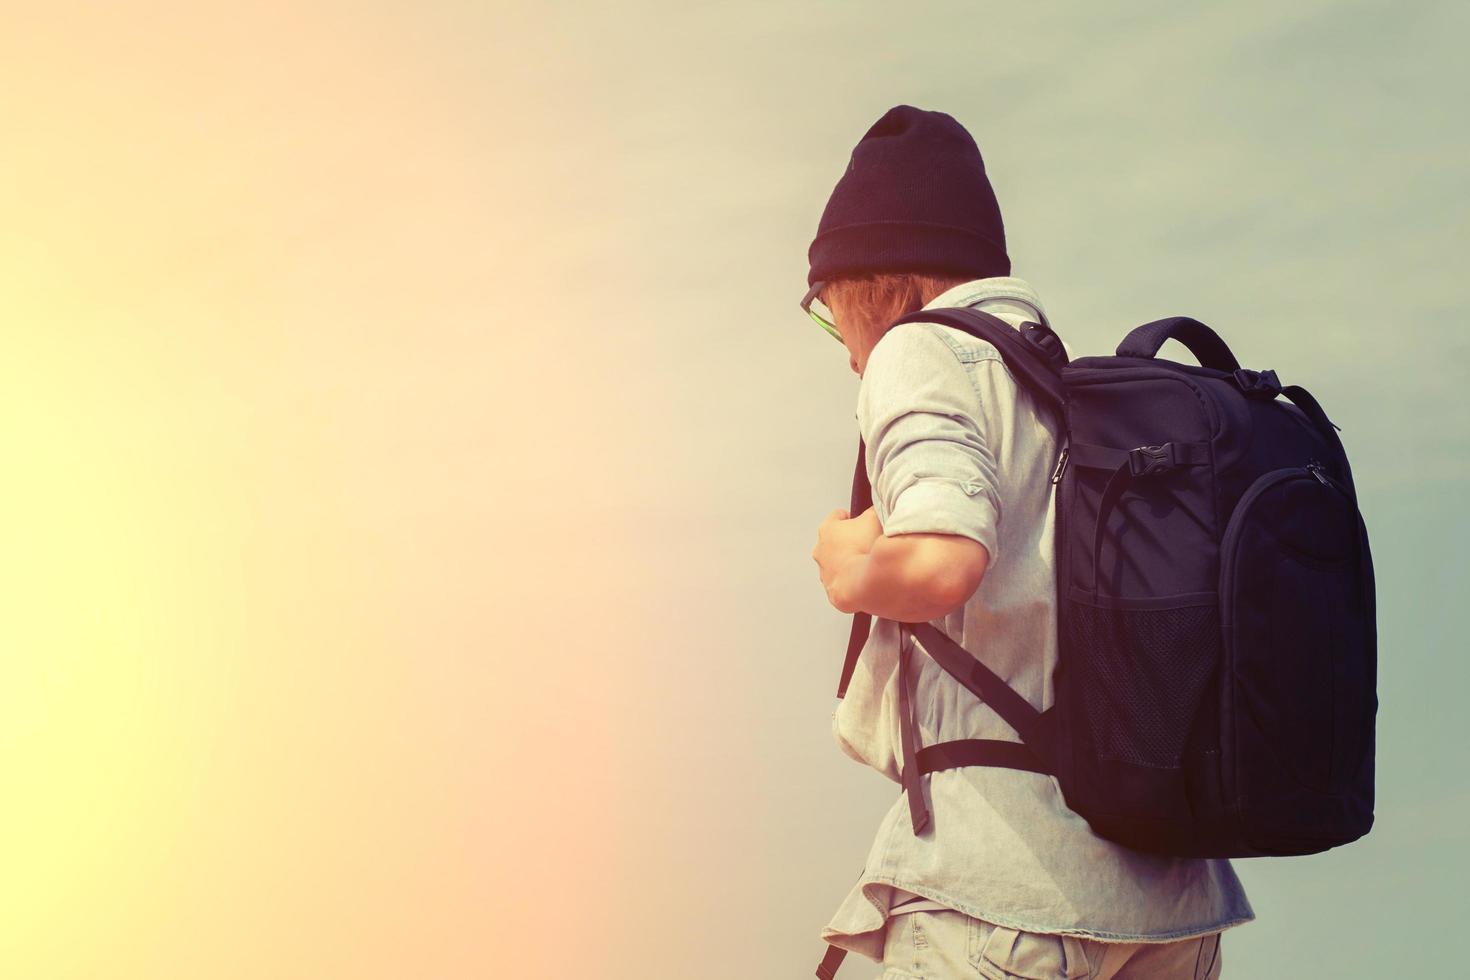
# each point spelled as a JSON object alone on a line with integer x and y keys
{"x": 906, "y": 578}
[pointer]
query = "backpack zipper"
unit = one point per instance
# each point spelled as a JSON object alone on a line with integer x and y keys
{"x": 1056, "y": 476}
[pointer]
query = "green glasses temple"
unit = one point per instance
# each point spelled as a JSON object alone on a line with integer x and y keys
{"x": 806, "y": 304}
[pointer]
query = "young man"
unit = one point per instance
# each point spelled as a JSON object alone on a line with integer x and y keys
{"x": 1000, "y": 879}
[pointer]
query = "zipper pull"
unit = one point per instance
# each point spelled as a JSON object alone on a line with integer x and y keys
{"x": 1056, "y": 476}
{"x": 1315, "y": 468}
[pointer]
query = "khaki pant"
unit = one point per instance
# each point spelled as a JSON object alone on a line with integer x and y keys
{"x": 949, "y": 945}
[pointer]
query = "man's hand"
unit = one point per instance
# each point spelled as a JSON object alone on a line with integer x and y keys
{"x": 841, "y": 541}
{"x": 909, "y": 578}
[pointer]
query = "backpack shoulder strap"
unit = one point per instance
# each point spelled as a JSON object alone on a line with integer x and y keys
{"x": 1034, "y": 353}
{"x": 1035, "y": 356}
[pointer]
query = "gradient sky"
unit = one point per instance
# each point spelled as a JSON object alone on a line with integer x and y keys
{"x": 414, "y": 453}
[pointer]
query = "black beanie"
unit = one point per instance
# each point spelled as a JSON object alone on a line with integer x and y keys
{"x": 915, "y": 198}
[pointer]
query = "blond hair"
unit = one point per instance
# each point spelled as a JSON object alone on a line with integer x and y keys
{"x": 872, "y": 301}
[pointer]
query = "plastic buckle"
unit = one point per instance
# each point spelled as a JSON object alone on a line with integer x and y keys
{"x": 1147, "y": 460}
{"x": 1257, "y": 384}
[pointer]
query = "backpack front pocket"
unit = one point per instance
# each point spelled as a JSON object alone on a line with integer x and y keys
{"x": 1300, "y": 654}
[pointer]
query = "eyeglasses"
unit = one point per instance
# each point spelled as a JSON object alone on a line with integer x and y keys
{"x": 818, "y": 310}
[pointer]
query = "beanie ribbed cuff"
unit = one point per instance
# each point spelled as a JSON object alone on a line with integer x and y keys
{"x": 903, "y": 246}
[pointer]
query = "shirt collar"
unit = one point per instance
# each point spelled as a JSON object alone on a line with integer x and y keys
{"x": 993, "y": 287}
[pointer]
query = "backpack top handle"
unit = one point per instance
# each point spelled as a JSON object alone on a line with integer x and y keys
{"x": 1202, "y": 342}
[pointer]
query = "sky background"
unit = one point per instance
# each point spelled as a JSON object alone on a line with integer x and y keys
{"x": 414, "y": 453}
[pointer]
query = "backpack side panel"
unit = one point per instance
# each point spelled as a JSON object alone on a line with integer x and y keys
{"x": 1139, "y": 627}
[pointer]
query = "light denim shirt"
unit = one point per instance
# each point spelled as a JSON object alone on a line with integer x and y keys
{"x": 954, "y": 446}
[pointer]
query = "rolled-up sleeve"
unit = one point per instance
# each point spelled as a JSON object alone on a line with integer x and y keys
{"x": 927, "y": 457}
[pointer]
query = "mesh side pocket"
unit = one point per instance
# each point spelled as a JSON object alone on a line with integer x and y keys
{"x": 1141, "y": 674}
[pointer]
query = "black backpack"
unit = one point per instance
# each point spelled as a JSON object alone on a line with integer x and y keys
{"x": 1215, "y": 691}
